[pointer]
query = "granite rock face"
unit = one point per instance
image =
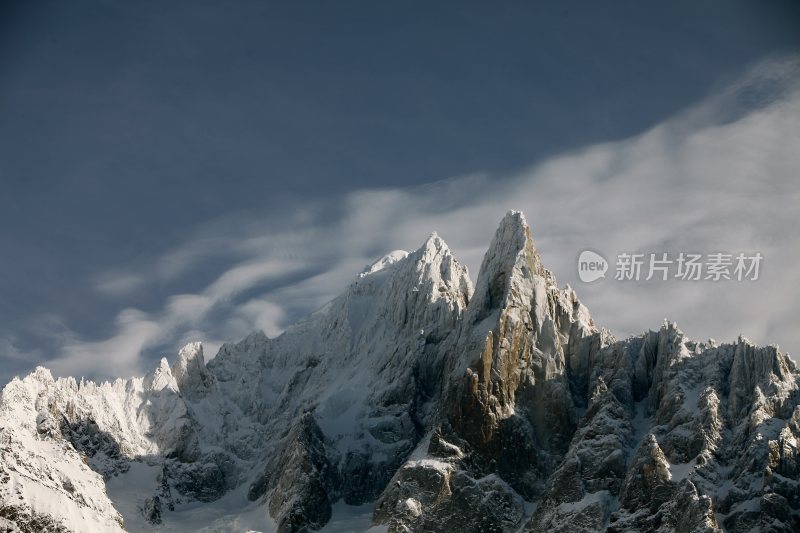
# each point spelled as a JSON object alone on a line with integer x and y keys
{"x": 503, "y": 408}
{"x": 651, "y": 433}
{"x": 300, "y": 480}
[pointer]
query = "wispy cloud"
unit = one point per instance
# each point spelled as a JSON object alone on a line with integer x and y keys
{"x": 118, "y": 284}
{"x": 135, "y": 331}
{"x": 719, "y": 177}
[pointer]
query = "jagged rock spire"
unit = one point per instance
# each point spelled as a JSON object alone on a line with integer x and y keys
{"x": 510, "y": 264}
{"x": 191, "y": 375}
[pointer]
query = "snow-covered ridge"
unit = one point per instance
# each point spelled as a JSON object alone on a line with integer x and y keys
{"x": 388, "y": 259}
{"x": 441, "y": 407}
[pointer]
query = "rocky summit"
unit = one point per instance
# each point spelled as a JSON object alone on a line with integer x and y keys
{"x": 414, "y": 402}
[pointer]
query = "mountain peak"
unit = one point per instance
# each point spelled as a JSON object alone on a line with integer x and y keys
{"x": 510, "y": 260}
{"x": 385, "y": 261}
{"x": 433, "y": 247}
{"x": 436, "y": 264}
{"x": 161, "y": 378}
{"x": 191, "y": 375}
{"x": 43, "y": 374}
{"x": 434, "y": 242}
{"x": 514, "y": 219}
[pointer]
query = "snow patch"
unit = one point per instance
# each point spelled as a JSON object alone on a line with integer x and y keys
{"x": 384, "y": 262}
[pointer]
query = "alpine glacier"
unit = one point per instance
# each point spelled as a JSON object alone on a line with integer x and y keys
{"x": 415, "y": 402}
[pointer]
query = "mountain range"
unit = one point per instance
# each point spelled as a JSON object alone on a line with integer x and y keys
{"x": 414, "y": 402}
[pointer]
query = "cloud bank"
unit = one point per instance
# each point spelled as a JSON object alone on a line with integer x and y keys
{"x": 721, "y": 176}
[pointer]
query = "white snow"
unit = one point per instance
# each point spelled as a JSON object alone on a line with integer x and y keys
{"x": 439, "y": 466}
{"x": 336, "y": 363}
{"x": 680, "y": 471}
{"x": 600, "y": 496}
{"x": 47, "y": 475}
{"x": 385, "y": 261}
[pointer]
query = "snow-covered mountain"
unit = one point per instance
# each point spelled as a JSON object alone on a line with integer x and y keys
{"x": 413, "y": 402}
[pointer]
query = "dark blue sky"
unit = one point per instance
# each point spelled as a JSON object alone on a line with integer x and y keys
{"x": 126, "y": 126}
